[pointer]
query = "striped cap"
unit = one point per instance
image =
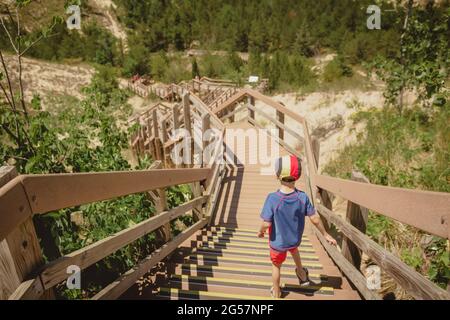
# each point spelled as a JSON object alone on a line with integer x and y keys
{"x": 288, "y": 167}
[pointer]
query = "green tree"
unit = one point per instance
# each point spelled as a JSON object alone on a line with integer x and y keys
{"x": 423, "y": 62}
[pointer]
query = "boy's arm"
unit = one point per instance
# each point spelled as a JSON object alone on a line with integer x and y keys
{"x": 315, "y": 219}
{"x": 262, "y": 230}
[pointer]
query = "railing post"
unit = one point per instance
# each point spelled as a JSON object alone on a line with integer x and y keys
{"x": 324, "y": 195}
{"x": 20, "y": 252}
{"x": 164, "y": 139}
{"x": 176, "y": 117}
{"x": 187, "y": 123}
{"x": 197, "y": 213}
{"x": 280, "y": 118}
{"x": 165, "y": 232}
{"x": 251, "y": 102}
{"x": 206, "y": 125}
{"x": 151, "y": 145}
{"x": 157, "y": 141}
{"x": 356, "y": 216}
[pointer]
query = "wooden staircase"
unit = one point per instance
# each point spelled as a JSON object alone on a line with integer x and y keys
{"x": 219, "y": 255}
{"x": 228, "y": 261}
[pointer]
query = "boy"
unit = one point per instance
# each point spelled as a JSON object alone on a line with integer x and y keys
{"x": 284, "y": 216}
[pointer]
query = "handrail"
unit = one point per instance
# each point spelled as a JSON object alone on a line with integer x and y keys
{"x": 34, "y": 194}
{"x": 416, "y": 284}
{"x": 55, "y": 271}
{"x": 408, "y": 206}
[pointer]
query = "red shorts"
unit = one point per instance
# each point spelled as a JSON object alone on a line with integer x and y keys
{"x": 278, "y": 257}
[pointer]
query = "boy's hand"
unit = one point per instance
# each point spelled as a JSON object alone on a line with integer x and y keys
{"x": 260, "y": 234}
{"x": 330, "y": 239}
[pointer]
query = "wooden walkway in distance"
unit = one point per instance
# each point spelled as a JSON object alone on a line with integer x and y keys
{"x": 228, "y": 261}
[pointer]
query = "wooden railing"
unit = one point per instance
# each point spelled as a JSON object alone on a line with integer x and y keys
{"x": 427, "y": 211}
{"x": 23, "y": 196}
{"x": 26, "y": 195}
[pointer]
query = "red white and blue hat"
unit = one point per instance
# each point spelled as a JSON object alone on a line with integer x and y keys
{"x": 288, "y": 167}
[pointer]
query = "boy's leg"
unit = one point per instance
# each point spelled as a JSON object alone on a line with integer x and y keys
{"x": 298, "y": 263}
{"x": 277, "y": 259}
{"x": 276, "y": 279}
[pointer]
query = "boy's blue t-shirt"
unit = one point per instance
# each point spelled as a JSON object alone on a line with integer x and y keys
{"x": 287, "y": 214}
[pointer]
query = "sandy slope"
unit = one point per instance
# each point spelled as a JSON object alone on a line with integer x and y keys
{"x": 46, "y": 78}
{"x": 110, "y": 21}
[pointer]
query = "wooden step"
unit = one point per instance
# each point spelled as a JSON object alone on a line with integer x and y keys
{"x": 242, "y": 236}
{"x": 243, "y": 245}
{"x": 217, "y": 260}
{"x": 328, "y": 276}
{"x": 240, "y": 293}
{"x": 205, "y": 282}
{"x": 247, "y": 253}
{"x": 239, "y": 271}
{"x": 255, "y": 240}
{"x": 237, "y": 232}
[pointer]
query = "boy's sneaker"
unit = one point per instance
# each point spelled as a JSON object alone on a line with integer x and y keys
{"x": 306, "y": 281}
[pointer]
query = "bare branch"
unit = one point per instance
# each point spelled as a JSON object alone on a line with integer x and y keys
{"x": 6, "y": 96}
{"x": 9, "y": 81}
{"x": 9, "y": 34}
{"x": 31, "y": 45}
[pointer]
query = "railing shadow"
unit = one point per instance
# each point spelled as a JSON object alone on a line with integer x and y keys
{"x": 229, "y": 192}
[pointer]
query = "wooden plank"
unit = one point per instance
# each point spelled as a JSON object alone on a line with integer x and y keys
{"x": 9, "y": 279}
{"x": 21, "y": 247}
{"x": 357, "y": 279}
{"x": 280, "y": 119}
{"x": 198, "y": 210}
{"x": 14, "y": 206}
{"x": 163, "y": 132}
{"x": 187, "y": 113}
{"x": 214, "y": 194}
{"x": 176, "y": 116}
{"x": 28, "y": 290}
{"x": 357, "y": 216}
{"x": 251, "y": 107}
{"x": 9, "y": 275}
{"x": 55, "y": 272}
{"x": 56, "y": 191}
{"x": 118, "y": 287}
{"x": 206, "y": 125}
{"x": 165, "y": 232}
{"x": 405, "y": 205}
{"x": 155, "y": 123}
{"x": 410, "y": 280}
